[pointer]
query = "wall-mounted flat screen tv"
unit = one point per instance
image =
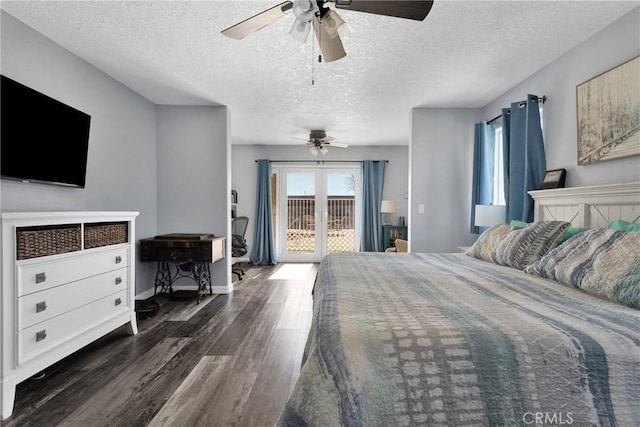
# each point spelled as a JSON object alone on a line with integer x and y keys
{"x": 42, "y": 140}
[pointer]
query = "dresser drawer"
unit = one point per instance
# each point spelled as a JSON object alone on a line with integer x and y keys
{"x": 40, "y": 306}
{"x": 37, "y": 276}
{"x": 42, "y": 337}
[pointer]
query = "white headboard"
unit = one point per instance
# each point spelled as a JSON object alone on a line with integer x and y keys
{"x": 592, "y": 206}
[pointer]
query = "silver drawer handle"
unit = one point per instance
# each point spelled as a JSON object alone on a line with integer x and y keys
{"x": 118, "y": 280}
{"x": 41, "y": 306}
{"x": 118, "y": 301}
{"x": 41, "y": 277}
{"x": 41, "y": 335}
{"x": 118, "y": 259}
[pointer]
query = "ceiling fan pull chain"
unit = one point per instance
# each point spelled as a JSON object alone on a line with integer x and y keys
{"x": 313, "y": 64}
{"x": 319, "y": 41}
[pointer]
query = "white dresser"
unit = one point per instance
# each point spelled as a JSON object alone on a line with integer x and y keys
{"x": 68, "y": 278}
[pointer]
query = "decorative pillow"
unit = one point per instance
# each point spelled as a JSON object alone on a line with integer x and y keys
{"x": 524, "y": 246}
{"x": 486, "y": 244}
{"x": 620, "y": 224}
{"x": 571, "y": 231}
{"x": 602, "y": 262}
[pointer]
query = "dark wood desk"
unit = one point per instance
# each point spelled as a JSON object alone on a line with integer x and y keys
{"x": 189, "y": 253}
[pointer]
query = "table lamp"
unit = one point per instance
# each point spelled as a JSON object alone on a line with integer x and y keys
{"x": 488, "y": 215}
{"x": 388, "y": 207}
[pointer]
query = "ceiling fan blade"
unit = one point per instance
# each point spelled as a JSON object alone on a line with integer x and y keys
{"x": 256, "y": 22}
{"x": 331, "y": 47}
{"x": 408, "y": 9}
{"x": 337, "y": 144}
{"x": 328, "y": 138}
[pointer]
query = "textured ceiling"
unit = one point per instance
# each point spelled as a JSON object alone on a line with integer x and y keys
{"x": 464, "y": 54}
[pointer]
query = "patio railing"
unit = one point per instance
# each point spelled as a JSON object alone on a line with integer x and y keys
{"x": 340, "y": 224}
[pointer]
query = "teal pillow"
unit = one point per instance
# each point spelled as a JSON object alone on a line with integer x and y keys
{"x": 571, "y": 231}
{"x": 620, "y": 224}
{"x": 518, "y": 224}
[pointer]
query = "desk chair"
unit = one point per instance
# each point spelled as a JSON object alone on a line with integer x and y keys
{"x": 238, "y": 242}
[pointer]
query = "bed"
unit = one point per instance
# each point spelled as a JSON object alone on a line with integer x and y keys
{"x": 448, "y": 339}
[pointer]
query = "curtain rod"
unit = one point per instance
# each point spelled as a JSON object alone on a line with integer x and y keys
{"x": 320, "y": 161}
{"x": 538, "y": 99}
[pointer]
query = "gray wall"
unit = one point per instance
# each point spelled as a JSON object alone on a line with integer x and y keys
{"x": 441, "y": 153}
{"x": 244, "y": 172}
{"x": 441, "y": 149}
{"x": 614, "y": 45}
{"x": 121, "y": 167}
{"x": 193, "y": 185}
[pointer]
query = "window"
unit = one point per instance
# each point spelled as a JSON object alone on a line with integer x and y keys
{"x": 498, "y": 197}
{"x": 489, "y": 166}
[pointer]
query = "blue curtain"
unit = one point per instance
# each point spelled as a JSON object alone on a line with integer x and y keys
{"x": 506, "y": 154}
{"x": 526, "y": 163}
{"x": 483, "y": 169}
{"x": 263, "y": 251}
{"x": 371, "y": 224}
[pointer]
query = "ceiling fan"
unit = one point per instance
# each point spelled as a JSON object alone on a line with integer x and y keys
{"x": 325, "y": 21}
{"x": 319, "y": 142}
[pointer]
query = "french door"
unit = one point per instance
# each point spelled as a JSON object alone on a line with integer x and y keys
{"x": 318, "y": 212}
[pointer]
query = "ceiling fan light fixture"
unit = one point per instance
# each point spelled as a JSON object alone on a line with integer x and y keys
{"x": 314, "y": 150}
{"x": 305, "y": 10}
{"x": 324, "y": 150}
{"x": 332, "y": 22}
{"x": 300, "y": 31}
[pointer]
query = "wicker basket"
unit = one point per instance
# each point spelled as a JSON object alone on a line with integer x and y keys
{"x": 35, "y": 242}
{"x": 105, "y": 234}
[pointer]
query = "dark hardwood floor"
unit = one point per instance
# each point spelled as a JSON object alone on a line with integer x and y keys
{"x": 230, "y": 360}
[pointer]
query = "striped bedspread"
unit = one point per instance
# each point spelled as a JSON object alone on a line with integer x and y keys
{"x": 445, "y": 339}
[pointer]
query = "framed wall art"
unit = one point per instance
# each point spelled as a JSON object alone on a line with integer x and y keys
{"x": 553, "y": 179}
{"x": 608, "y": 110}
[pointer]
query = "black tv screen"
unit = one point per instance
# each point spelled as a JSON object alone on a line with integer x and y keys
{"x": 42, "y": 139}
